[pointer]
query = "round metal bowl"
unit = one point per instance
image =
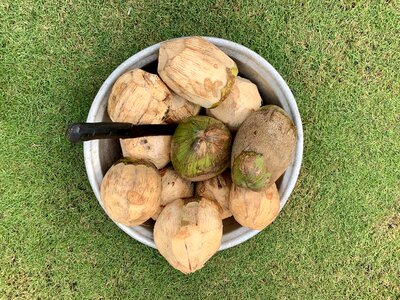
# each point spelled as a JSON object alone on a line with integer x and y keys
{"x": 101, "y": 154}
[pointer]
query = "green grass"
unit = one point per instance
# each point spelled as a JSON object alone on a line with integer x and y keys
{"x": 339, "y": 235}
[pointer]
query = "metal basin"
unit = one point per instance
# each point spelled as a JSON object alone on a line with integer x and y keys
{"x": 101, "y": 154}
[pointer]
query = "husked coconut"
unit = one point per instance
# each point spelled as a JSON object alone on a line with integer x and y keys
{"x": 155, "y": 149}
{"x": 238, "y": 105}
{"x": 255, "y": 210}
{"x": 188, "y": 233}
{"x": 157, "y": 213}
{"x": 196, "y": 70}
{"x": 217, "y": 189}
{"x": 139, "y": 97}
{"x": 131, "y": 191}
{"x": 181, "y": 109}
{"x": 174, "y": 186}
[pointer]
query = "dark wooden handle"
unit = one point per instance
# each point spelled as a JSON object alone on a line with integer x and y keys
{"x": 80, "y": 132}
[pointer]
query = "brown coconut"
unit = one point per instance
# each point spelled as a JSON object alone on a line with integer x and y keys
{"x": 263, "y": 148}
{"x": 157, "y": 213}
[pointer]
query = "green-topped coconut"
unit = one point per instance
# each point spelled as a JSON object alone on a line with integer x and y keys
{"x": 263, "y": 148}
{"x": 200, "y": 148}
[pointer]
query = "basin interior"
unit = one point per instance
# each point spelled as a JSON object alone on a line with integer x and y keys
{"x": 110, "y": 150}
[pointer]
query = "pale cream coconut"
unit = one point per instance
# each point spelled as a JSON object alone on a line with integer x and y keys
{"x": 240, "y": 103}
{"x": 139, "y": 97}
{"x": 155, "y": 149}
{"x": 188, "y": 233}
{"x": 217, "y": 189}
{"x": 255, "y": 210}
{"x": 196, "y": 70}
{"x": 181, "y": 109}
{"x": 131, "y": 191}
{"x": 173, "y": 187}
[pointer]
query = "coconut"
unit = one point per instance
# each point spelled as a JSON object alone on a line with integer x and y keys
{"x": 181, "y": 109}
{"x": 196, "y": 70}
{"x": 200, "y": 148}
{"x": 174, "y": 187}
{"x": 131, "y": 191}
{"x": 255, "y": 210}
{"x": 240, "y": 103}
{"x": 217, "y": 189}
{"x": 155, "y": 149}
{"x": 263, "y": 148}
{"x": 157, "y": 213}
{"x": 188, "y": 233}
{"x": 249, "y": 170}
{"x": 139, "y": 97}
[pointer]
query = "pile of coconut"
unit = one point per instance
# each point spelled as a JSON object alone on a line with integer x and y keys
{"x": 225, "y": 158}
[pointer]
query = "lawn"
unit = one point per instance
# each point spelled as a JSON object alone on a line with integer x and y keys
{"x": 339, "y": 235}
